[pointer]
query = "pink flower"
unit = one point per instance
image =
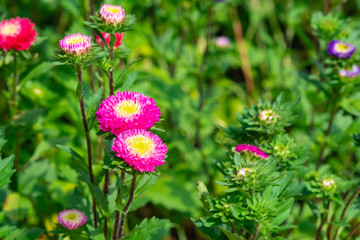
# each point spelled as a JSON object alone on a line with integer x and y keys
{"x": 127, "y": 110}
{"x": 141, "y": 149}
{"x": 255, "y": 150}
{"x": 112, "y": 14}
{"x": 75, "y": 44}
{"x": 17, "y": 33}
{"x": 118, "y": 36}
{"x": 71, "y": 219}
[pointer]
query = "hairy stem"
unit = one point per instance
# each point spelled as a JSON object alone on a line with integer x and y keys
{"x": 126, "y": 208}
{"x": 256, "y": 232}
{"x": 88, "y": 142}
{"x": 352, "y": 231}
{"x": 107, "y": 174}
{"x": 117, "y": 213}
{"x": 352, "y": 198}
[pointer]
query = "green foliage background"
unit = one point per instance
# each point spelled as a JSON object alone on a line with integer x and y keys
{"x": 171, "y": 59}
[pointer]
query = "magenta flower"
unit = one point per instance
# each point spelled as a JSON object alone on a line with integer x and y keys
{"x": 255, "y": 150}
{"x": 127, "y": 110}
{"x": 75, "y": 44}
{"x": 340, "y": 49}
{"x": 222, "y": 42}
{"x": 112, "y": 14}
{"x": 17, "y": 33}
{"x": 71, "y": 219}
{"x": 141, "y": 149}
{"x": 118, "y": 37}
{"x": 355, "y": 71}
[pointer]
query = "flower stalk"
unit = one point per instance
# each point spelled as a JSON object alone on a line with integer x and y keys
{"x": 88, "y": 142}
{"x": 126, "y": 208}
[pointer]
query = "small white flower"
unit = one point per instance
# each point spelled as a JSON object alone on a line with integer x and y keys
{"x": 268, "y": 116}
{"x": 328, "y": 182}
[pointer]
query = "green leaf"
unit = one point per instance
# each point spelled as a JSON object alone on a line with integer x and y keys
{"x": 117, "y": 82}
{"x": 28, "y": 116}
{"x": 41, "y": 69}
{"x": 130, "y": 80}
{"x": 230, "y": 235}
{"x": 6, "y": 170}
{"x": 79, "y": 163}
{"x": 144, "y": 182}
{"x": 283, "y": 210}
{"x": 93, "y": 105}
{"x": 149, "y": 229}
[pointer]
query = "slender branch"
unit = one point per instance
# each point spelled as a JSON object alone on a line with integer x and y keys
{"x": 13, "y": 96}
{"x": 107, "y": 174}
{"x": 256, "y": 232}
{"x": 328, "y": 130}
{"x": 126, "y": 208}
{"x": 116, "y": 224}
{"x": 349, "y": 203}
{"x": 352, "y": 231}
{"x": 352, "y": 198}
{"x": 323, "y": 221}
{"x": 111, "y": 83}
{"x": 244, "y": 57}
{"x": 117, "y": 213}
{"x": 88, "y": 142}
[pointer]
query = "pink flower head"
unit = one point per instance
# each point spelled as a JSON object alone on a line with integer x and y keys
{"x": 71, "y": 219}
{"x": 112, "y": 14}
{"x": 127, "y": 110}
{"x": 17, "y": 33}
{"x": 141, "y": 149}
{"x": 255, "y": 150}
{"x": 75, "y": 44}
{"x": 118, "y": 36}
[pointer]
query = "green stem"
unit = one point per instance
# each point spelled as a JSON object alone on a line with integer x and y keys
{"x": 88, "y": 142}
{"x": 323, "y": 221}
{"x": 126, "y": 208}
{"x": 327, "y": 133}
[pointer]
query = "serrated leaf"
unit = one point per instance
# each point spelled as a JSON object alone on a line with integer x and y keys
{"x": 93, "y": 105}
{"x": 6, "y": 170}
{"x": 230, "y": 235}
{"x": 130, "y": 80}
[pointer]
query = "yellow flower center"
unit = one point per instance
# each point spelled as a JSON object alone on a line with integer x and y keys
{"x": 10, "y": 29}
{"x": 140, "y": 144}
{"x": 127, "y": 108}
{"x": 75, "y": 40}
{"x": 112, "y": 10}
{"x": 341, "y": 47}
{"x": 71, "y": 216}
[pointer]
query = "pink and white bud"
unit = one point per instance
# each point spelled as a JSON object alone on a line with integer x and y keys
{"x": 112, "y": 14}
{"x": 75, "y": 44}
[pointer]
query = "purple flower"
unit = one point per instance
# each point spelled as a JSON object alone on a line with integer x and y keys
{"x": 222, "y": 41}
{"x": 340, "y": 49}
{"x": 355, "y": 71}
{"x": 255, "y": 150}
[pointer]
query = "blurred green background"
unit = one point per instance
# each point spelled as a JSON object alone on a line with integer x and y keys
{"x": 197, "y": 85}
